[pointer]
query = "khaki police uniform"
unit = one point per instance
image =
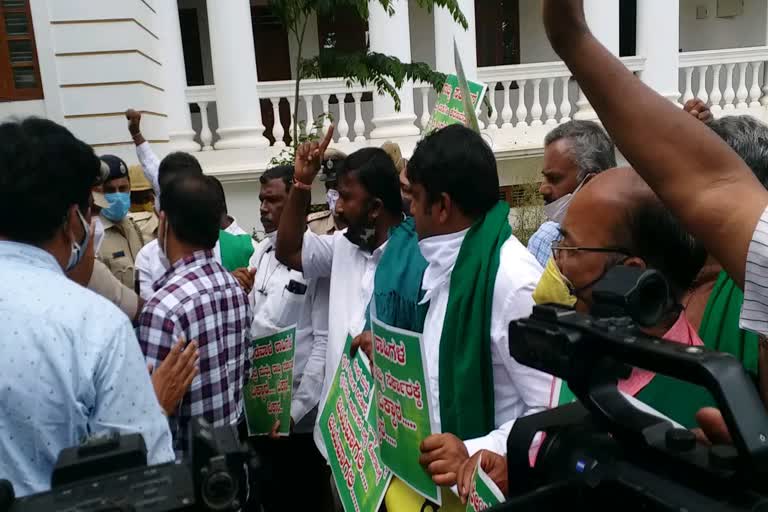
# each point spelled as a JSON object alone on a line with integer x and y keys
{"x": 108, "y": 286}
{"x": 321, "y": 223}
{"x": 122, "y": 242}
{"x": 147, "y": 222}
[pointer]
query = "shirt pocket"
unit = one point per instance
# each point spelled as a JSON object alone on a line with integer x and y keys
{"x": 285, "y": 308}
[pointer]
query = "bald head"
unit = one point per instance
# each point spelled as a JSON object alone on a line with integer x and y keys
{"x": 617, "y": 210}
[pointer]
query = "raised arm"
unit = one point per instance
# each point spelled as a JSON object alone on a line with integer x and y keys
{"x": 150, "y": 164}
{"x": 695, "y": 173}
{"x": 293, "y": 221}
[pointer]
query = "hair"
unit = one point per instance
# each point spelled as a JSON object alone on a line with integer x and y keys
{"x": 653, "y": 234}
{"x": 192, "y": 205}
{"x": 456, "y": 161}
{"x": 748, "y": 137}
{"x": 281, "y": 172}
{"x": 44, "y": 170}
{"x": 222, "y": 197}
{"x": 376, "y": 172}
{"x": 176, "y": 165}
{"x": 591, "y": 149}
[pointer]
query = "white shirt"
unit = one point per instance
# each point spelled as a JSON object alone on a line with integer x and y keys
{"x": 275, "y": 308}
{"x": 151, "y": 264}
{"x": 518, "y": 390}
{"x": 754, "y": 310}
{"x": 151, "y": 166}
{"x": 351, "y": 271}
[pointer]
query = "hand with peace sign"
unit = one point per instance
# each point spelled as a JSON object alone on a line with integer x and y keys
{"x": 309, "y": 158}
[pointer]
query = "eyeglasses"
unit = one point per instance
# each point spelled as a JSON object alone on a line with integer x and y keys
{"x": 558, "y": 250}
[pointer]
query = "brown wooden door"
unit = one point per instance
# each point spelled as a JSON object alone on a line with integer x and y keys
{"x": 273, "y": 62}
{"x": 498, "y": 32}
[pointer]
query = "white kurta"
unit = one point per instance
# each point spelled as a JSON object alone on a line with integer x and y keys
{"x": 518, "y": 390}
{"x": 275, "y": 308}
{"x": 351, "y": 271}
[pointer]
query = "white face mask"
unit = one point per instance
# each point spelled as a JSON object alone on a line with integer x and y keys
{"x": 556, "y": 210}
{"x": 332, "y": 196}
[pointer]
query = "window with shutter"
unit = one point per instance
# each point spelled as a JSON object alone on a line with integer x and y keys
{"x": 19, "y": 69}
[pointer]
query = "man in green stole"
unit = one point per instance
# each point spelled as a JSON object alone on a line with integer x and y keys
{"x": 477, "y": 279}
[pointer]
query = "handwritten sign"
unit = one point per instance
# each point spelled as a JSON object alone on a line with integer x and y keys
{"x": 267, "y": 393}
{"x": 347, "y": 428}
{"x": 449, "y": 107}
{"x": 485, "y": 493}
{"x": 403, "y": 420}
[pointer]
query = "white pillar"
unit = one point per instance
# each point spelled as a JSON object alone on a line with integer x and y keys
{"x": 603, "y": 20}
{"x": 180, "y": 131}
{"x": 234, "y": 72}
{"x": 391, "y": 36}
{"x": 446, "y": 29}
{"x": 658, "y": 40}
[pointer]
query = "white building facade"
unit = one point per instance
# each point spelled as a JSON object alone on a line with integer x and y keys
{"x": 212, "y": 76}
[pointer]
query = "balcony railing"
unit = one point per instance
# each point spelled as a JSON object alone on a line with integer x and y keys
{"x": 731, "y": 81}
{"x": 524, "y": 103}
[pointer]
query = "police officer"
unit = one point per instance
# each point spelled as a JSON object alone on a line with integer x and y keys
{"x": 143, "y": 204}
{"x": 325, "y": 222}
{"x": 122, "y": 237}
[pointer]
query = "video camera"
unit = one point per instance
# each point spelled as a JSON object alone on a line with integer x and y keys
{"x": 604, "y": 452}
{"x": 111, "y": 474}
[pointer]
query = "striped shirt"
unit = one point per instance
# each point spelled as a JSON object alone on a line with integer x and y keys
{"x": 540, "y": 243}
{"x": 198, "y": 299}
{"x": 754, "y": 311}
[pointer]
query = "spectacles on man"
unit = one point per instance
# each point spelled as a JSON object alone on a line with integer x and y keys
{"x": 559, "y": 250}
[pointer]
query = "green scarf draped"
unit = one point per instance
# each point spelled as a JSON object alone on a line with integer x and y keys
{"x": 397, "y": 283}
{"x": 719, "y": 328}
{"x": 236, "y": 250}
{"x": 466, "y": 374}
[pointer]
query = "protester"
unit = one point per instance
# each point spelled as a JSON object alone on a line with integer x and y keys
{"x": 234, "y": 247}
{"x": 122, "y": 237}
{"x": 616, "y": 219}
{"x": 369, "y": 204}
{"x": 326, "y": 222}
{"x": 142, "y": 210}
{"x": 573, "y": 153}
{"x": 197, "y": 299}
{"x": 686, "y": 165}
{"x": 714, "y": 303}
{"x": 280, "y": 298}
{"x": 478, "y": 278}
{"x": 62, "y": 377}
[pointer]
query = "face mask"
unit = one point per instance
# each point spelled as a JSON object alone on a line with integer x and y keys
{"x": 554, "y": 287}
{"x": 119, "y": 204}
{"x": 271, "y": 236}
{"x": 556, "y": 210}
{"x": 78, "y": 249}
{"x": 98, "y": 234}
{"x": 362, "y": 235}
{"x": 148, "y": 207}
{"x": 332, "y": 196}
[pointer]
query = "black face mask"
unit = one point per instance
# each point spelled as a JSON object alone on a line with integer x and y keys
{"x": 362, "y": 235}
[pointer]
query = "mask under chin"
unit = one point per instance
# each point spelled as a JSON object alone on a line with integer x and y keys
{"x": 361, "y": 237}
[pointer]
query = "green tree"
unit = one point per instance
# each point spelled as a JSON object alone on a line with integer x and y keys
{"x": 385, "y": 72}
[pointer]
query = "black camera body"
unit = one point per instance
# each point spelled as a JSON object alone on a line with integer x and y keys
{"x": 607, "y": 451}
{"x": 111, "y": 474}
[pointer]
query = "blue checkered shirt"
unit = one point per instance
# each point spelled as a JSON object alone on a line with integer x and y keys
{"x": 198, "y": 299}
{"x": 540, "y": 244}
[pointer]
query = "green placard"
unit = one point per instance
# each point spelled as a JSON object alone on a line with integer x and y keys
{"x": 484, "y": 493}
{"x": 449, "y": 107}
{"x": 402, "y": 405}
{"x": 346, "y": 425}
{"x": 267, "y": 393}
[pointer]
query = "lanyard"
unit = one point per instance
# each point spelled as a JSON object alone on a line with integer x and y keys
{"x": 267, "y": 275}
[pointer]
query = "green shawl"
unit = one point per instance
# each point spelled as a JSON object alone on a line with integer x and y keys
{"x": 719, "y": 328}
{"x": 236, "y": 250}
{"x": 466, "y": 374}
{"x": 397, "y": 283}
